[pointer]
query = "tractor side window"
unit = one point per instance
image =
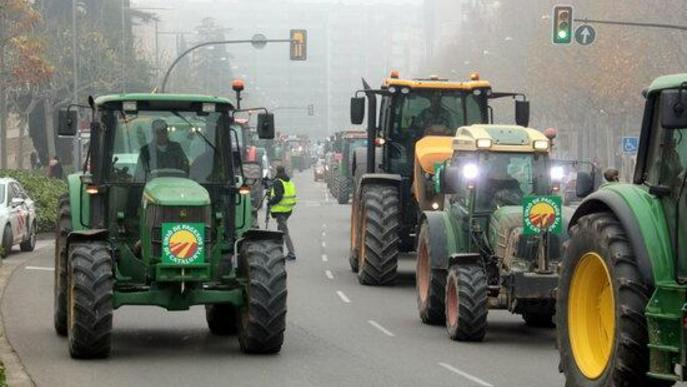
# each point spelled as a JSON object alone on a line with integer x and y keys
{"x": 473, "y": 109}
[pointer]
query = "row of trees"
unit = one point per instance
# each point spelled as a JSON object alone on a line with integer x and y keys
{"x": 591, "y": 94}
{"x": 40, "y": 72}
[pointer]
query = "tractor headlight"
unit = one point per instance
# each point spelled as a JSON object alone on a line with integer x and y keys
{"x": 470, "y": 171}
{"x": 540, "y": 145}
{"x": 483, "y": 143}
{"x": 557, "y": 173}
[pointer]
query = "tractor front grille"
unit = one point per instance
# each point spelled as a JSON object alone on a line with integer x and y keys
{"x": 156, "y": 215}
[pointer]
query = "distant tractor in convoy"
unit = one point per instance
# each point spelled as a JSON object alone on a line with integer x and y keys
{"x": 161, "y": 216}
{"x": 497, "y": 242}
{"x": 342, "y": 178}
{"x": 417, "y": 121}
{"x": 622, "y": 295}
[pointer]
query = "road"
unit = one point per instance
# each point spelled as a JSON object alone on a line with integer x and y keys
{"x": 339, "y": 333}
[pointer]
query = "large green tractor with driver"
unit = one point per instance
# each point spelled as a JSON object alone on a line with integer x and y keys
{"x": 340, "y": 168}
{"x": 497, "y": 242}
{"x": 161, "y": 215}
{"x": 392, "y": 174}
{"x": 622, "y": 295}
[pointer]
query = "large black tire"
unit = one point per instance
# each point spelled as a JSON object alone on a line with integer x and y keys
{"x": 379, "y": 230}
{"x": 430, "y": 283}
{"x": 353, "y": 257}
{"x": 343, "y": 189}
{"x": 263, "y": 318}
{"x": 90, "y": 299}
{"x": 30, "y": 243}
{"x": 466, "y": 302}
{"x": 7, "y": 239}
{"x": 601, "y": 235}
{"x": 222, "y": 319}
{"x": 64, "y": 227}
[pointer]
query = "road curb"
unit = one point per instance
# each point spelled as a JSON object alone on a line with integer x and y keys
{"x": 15, "y": 373}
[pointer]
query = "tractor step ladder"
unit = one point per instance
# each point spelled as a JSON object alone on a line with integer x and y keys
{"x": 666, "y": 332}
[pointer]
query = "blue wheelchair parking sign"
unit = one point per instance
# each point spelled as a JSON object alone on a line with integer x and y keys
{"x": 630, "y": 145}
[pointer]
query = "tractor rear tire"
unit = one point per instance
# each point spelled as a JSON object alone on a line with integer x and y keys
{"x": 263, "y": 318}
{"x": 7, "y": 239}
{"x": 430, "y": 283}
{"x": 222, "y": 319}
{"x": 90, "y": 299}
{"x": 379, "y": 231}
{"x": 64, "y": 227}
{"x": 600, "y": 273}
{"x": 343, "y": 189}
{"x": 466, "y": 302}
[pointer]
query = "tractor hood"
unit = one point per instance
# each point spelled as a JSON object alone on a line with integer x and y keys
{"x": 175, "y": 191}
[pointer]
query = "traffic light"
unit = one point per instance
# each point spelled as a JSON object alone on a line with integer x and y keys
{"x": 299, "y": 40}
{"x": 311, "y": 110}
{"x": 562, "y": 24}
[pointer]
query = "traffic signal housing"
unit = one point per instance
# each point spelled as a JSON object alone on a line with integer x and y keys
{"x": 299, "y": 41}
{"x": 562, "y": 24}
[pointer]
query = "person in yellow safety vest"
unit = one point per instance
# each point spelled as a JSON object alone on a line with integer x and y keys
{"x": 281, "y": 203}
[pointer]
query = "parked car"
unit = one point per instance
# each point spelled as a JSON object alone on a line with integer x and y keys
{"x": 17, "y": 217}
{"x": 318, "y": 170}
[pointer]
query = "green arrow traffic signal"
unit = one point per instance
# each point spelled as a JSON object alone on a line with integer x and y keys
{"x": 562, "y": 24}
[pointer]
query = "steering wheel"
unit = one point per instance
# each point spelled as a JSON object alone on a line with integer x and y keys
{"x": 167, "y": 172}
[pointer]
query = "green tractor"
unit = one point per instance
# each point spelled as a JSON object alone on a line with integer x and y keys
{"x": 342, "y": 178}
{"x": 622, "y": 294}
{"x": 391, "y": 173}
{"x": 161, "y": 215}
{"x": 497, "y": 242}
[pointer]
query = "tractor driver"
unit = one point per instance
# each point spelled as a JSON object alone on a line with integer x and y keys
{"x": 161, "y": 153}
{"x": 434, "y": 120}
{"x": 500, "y": 188}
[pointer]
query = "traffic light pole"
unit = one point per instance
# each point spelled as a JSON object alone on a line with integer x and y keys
{"x": 633, "y": 24}
{"x": 197, "y": 46}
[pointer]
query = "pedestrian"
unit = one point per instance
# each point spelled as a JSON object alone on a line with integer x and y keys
{"x": 55, "y": 168}
{"x": 35, "y": 161}
{"x": 281, "y": 203}
{"x": 612, "y": 175}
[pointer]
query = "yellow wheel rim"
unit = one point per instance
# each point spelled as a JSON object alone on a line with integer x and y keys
{"x": 591, "y": 315}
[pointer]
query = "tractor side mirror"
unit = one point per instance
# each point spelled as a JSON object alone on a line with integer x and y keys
{"x": 585, "y": 184}
{"x": 522, "y": 113}
{"x": 266, "y": 126}
{"x": 67, "y": 123}
{"x": 449, "y": 179}
{"x": 357, "y": 110}
{"x": 674, "y": 108}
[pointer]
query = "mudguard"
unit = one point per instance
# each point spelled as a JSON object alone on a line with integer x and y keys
{"x": 442, "y": 238}
{"x": 255, "y": 234}
{"x": 643, "y": 218}
{"x": 98, "y": 234}
{"x": 378, "y": 178}
{"x": 77, "y": 199}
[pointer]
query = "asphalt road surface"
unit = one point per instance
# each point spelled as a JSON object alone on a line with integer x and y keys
{"x": 339, "y": 333}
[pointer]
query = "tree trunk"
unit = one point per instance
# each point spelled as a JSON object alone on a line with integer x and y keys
{"x": 3, "y": 110}
{"x": 49, "y": 126}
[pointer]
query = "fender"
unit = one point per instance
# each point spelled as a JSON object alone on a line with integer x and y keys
{"x": 378, "y": 178}
{"x": 98, "y": 234}
{"x": 255, "y": 234}
{"x": 75, "y": 202}
{"x": 642, "y": 217}
{"x": 441, "y": 237}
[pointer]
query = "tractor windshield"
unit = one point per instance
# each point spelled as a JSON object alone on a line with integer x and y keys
{"x": 151, "y": 144}
{"x": 502, "y": 178}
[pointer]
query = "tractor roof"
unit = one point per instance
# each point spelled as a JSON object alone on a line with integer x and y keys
{"x": 668, "y": 82}
{"x": 504, "y": 138}
{"x": 435, "y": 84}
{"x": 160, "y": 97}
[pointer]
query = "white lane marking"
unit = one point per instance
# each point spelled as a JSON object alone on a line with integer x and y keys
{"x": 43, "y": 268}
{"x": 324, "y": 244}
{"x": 343, "y": 297}
{"x": 381, "y": 328}
{"x": 466, "y": 375}
{"x": 329, "y": 274}
{"x": 324, "y": 258}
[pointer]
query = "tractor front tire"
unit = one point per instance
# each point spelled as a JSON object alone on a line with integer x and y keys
{"x": 263, "y": 318}
{"x": 379, "y": 231}
{"x": 430, "y": 283}
{"x": 90, "y": 299}
{"x": 222, "y": 319}
{"x": 602, "y": 330}
{"x": 466, "y": 302}
{"x": 343, "y": 189}
{"x": 64, "y": 227}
